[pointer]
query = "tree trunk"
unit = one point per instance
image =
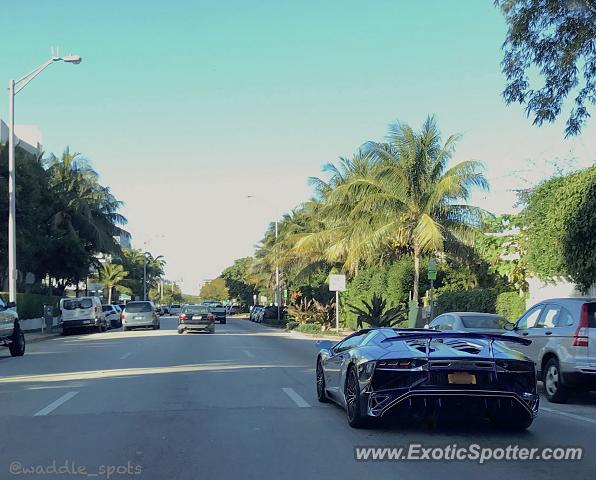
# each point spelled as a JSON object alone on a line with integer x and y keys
{"x": 109, "y": 294}
{"x": 416, "y": 274}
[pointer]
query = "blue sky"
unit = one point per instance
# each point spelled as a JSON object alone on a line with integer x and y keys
{"x": 186, "y": 107}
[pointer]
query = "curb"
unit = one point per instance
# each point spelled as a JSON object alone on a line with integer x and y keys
{"x": 41, "y": 338}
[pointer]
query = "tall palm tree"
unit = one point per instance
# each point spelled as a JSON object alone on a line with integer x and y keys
{"x": 111, "y": 274}
{"x": 409, "y": 199}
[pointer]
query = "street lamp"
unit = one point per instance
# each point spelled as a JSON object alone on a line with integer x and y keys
{"x": 145, "y": 275}
{"x": 15, "y": 87}
{"x": 277, "y": 292}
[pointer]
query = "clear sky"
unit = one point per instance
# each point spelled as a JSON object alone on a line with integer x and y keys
{"x": 186, "y": 107}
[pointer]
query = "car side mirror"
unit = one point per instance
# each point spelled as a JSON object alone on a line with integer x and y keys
{"x": 324, "y": 344}
{"x": 510, "y": 327}
{"x": 11, "y": 305}
{"x": 426, "y": 327}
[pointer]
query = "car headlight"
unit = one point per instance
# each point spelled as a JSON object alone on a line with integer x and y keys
{"x": 365, "y": 371}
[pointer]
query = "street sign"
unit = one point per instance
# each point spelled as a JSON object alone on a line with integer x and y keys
{"x": 432, "y": 269}
{"x": 337, "y": 283}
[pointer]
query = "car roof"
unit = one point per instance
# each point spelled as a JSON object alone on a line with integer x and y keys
{"x": 479, "y": 314}
{"x": 567, "y": 299}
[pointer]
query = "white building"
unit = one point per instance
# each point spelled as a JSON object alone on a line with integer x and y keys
{"x": 28, "y": 137}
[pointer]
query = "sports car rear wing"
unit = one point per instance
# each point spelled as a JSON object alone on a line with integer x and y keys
{"x": 463, "y": 335}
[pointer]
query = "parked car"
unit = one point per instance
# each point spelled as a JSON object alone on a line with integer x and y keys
{"x": 112, "y": 314}
{"x": 258, "y": 314}
{"x": 219, "y": 311}
{"x": 469, "y": 322}
{"x": 159, "y": 310}
{"x": 270, "y": 313}
{"x": 82, "y": 312}
{"x": 195, "y": 318}
{"x": 140, "y": 314}
{"x": 412, "y": 373}
{"x": 175, "y": 309}
{"x": 563, "y": 335}
{"x": 11, "y": 335}
{"x": 165, "y": 309}
{"x": 254, "y": 312}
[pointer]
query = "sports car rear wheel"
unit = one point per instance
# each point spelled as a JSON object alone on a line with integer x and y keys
{"x": 321, "y": 395}
{"x": 355, "y": 417}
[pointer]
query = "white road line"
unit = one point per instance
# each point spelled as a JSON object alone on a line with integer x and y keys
{"x": 54, "y": 405}
{"x": 298, "y": 400}
{"x": 126, "y": 355}
{"x": 249, "y": 354}
{"x": 569, "y": 415}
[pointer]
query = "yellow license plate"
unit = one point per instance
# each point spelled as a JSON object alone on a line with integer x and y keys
{"x": 462, "y": 378}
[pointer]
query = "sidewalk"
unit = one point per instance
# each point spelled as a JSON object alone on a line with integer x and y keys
{"x": 34, "y": 337}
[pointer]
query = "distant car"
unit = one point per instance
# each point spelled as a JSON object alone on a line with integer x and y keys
{"x": 159, "y": 310}
{"x": 112, "y": 314}
{"x": 563, "y": 335}
{"x": 165, "y": 309}
{"x": 82, "y": 312}
{"x": 254, "y": 312}
{"x": 469, "y": 322}
{"x": 11, "y": 335}
{"x": 416, "y": 373}
{"x": 196, "y": 318}
{"x": 140, "y": 314}
{"x": 257, "y": 314}
{"x": 175, "y": 309}
{"x": 219, "y": 311}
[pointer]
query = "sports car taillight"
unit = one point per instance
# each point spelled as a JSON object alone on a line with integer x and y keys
{"x": 182, "y": 317}
{"x": 581, "y": 337}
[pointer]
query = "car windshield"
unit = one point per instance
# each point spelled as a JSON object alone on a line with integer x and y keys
{"x": 196, "y": 309}
{"x": 138, "y": 307}
{"x": 77, "y": 303}
{"x": 175, "y": 306}
{"x": 483, "y": 321}
{"x": 106, "y": 308}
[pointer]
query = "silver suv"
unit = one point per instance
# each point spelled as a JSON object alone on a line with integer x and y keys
{"x": 563, "y": 334}
{"x": 11, "y": 335}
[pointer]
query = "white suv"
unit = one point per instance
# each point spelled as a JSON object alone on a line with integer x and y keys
{"x": 11, "y": 335}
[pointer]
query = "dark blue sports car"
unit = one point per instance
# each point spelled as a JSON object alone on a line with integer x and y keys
{"x": 376, "y": 372}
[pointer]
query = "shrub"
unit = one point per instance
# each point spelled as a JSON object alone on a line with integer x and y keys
{"x": 510, "y": 305}
{"x": 308, "y": 328}
{"x": 476, "y": 300}
{"x": 291, "y": 325}
{"x": 30, "y": 305}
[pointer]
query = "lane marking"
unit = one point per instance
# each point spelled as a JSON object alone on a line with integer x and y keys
{"x": 569, "y": 415}
{"x": 298, "y": 400}
{"x": 125, "y": 356}
{"x": 249, "y": 354}
{"x": 54, "y": 405}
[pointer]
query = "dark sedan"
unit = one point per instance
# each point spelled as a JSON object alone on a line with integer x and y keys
{"x": 421, "y": 374}
{"x": 196, "y": 318}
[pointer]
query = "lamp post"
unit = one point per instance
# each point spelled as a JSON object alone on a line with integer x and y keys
{"x": 277, "y": 292}
{"x": 15, "y": 87}
{"x": 145, "y": 275}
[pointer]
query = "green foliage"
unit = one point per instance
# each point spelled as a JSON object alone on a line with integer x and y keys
{"x": 171, "y": 294}
{"x": 308, "y": 328}
{"x": 133, "y": 261}
{"x": 477, "y": 300}
{"x": 562, "y": 228}
{"x": 555, "y": 38}
{"x": 302, "y": 311}
{"x": 375, "y": 313}
{"x": 291, "y": 325}
{"x": 510, "y": 305}
{"x": 238, "y": 279}
{"x": 30, "y": 305}
{"x": 215, "y": 290}
{"x": 111, "y": 274}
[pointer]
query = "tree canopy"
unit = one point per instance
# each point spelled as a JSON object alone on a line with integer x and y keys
{"x": 556, "y": 38}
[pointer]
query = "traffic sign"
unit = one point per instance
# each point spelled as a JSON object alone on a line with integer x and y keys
{"x": 432, "y": 269}
{"x": 337, "y": 283}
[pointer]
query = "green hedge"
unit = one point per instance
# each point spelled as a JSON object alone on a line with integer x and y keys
{"x": 30, "y": 305}
{"x": 292, "y": 325}
{"x": 510, "y": 305}
{"x": 308, "y": 328}
{"x": 476, "y": 300}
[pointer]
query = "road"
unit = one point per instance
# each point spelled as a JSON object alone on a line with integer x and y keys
{"x": 238, "y": 404}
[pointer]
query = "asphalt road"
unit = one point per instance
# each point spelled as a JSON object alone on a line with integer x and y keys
{"x": 239, "y": 404}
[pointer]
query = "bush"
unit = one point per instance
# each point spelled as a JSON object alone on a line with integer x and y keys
{"x": 291, "y": 325}
{"x": 308, "y": 328}
{"x": 476, "y": 300}
{"x": 30, "y": 305}
{"x": 510, "y": 305}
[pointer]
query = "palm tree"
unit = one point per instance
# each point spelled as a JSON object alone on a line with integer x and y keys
{"x": 111, "y": 274}
{"x": 408, "y": 199}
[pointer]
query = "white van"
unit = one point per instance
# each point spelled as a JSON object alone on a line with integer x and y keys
{"x": 82, "y": 312}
